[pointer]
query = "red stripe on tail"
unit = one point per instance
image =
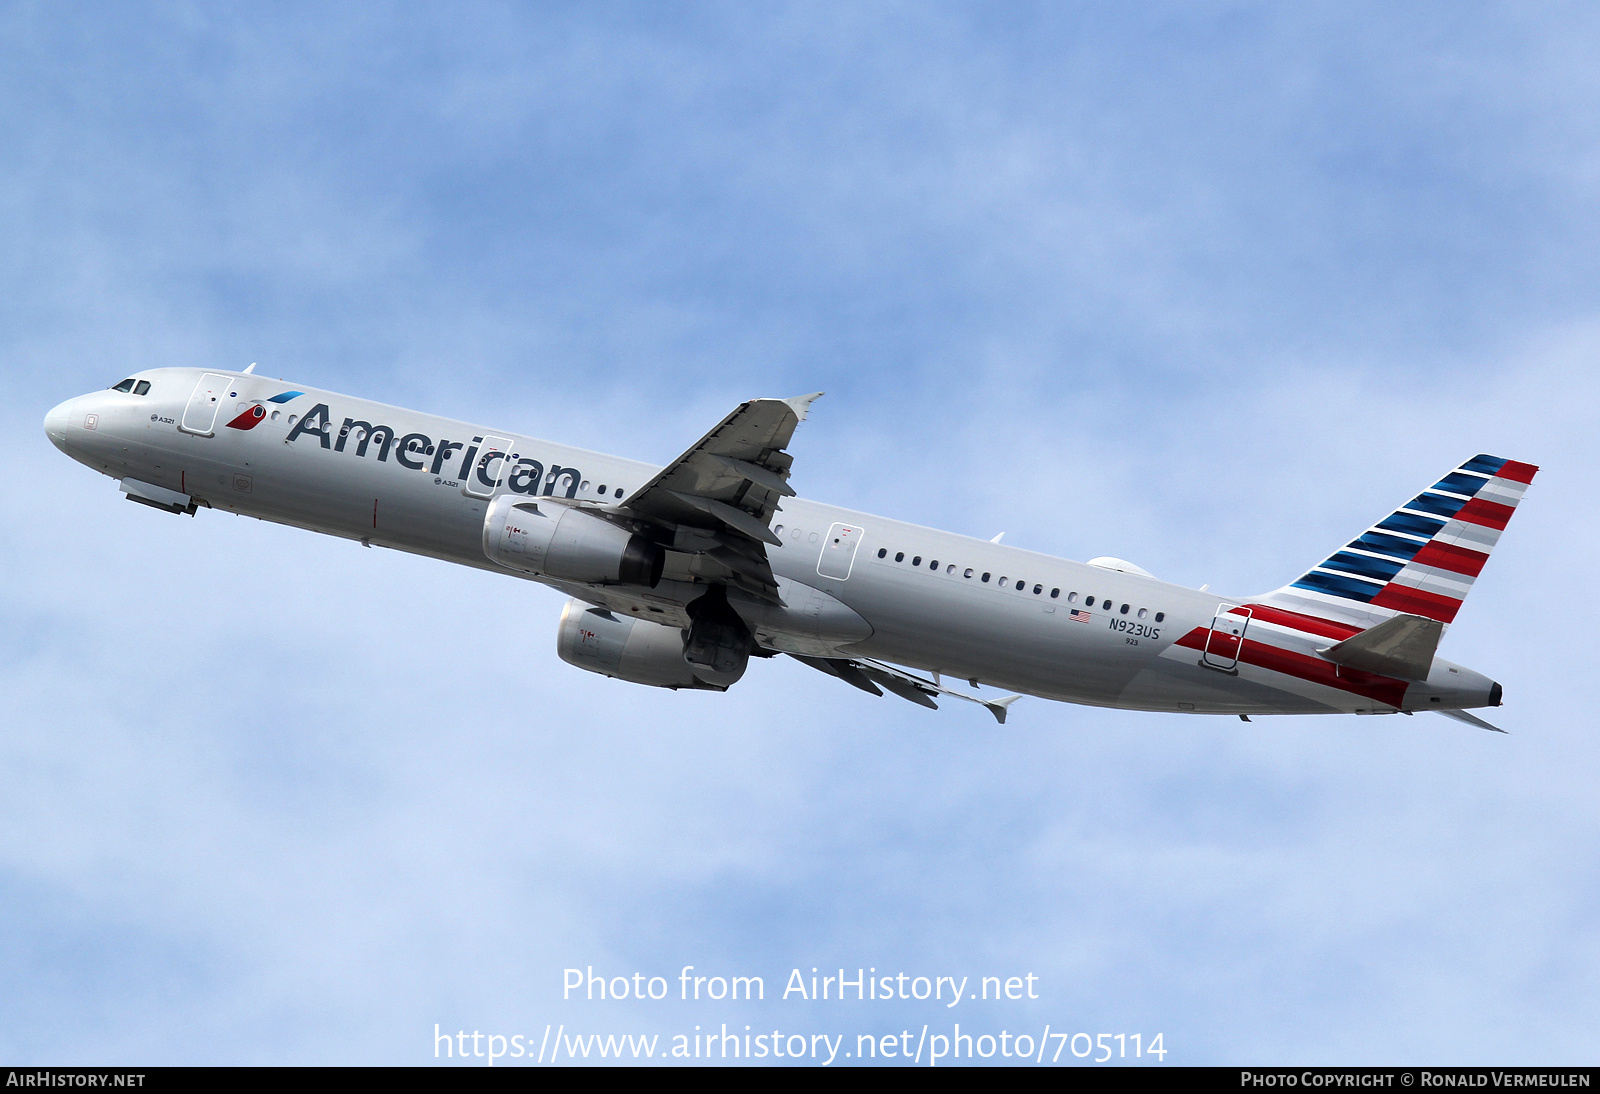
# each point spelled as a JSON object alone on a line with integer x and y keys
{"x": 1308, "y": 624}
{"x": 1302, "y": 666}
{"x": 1490, "y": 514}
{"x": 1458, "y": 560}
{"x": 1517, "y": 472}
{"x": 1403, "y": 598}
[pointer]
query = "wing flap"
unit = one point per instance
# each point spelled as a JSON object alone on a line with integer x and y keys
{"x": 865, "y": 674}
{"x": 737, "y": 519}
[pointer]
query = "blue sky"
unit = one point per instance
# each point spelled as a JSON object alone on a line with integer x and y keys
{"x": 1205, "y": 286}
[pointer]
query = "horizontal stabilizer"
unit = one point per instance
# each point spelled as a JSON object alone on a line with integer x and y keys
{"x": 1470, "y": 719}
{"x": 1402, "y": 647}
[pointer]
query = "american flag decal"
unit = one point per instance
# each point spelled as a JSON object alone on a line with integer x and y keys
{"x": 1079, "y": 616}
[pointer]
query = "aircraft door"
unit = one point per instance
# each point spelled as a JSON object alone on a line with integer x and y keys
{"x": 200, "y": 416}
{"x": 1226, "y": 638}
{"x": 839, "y": 551}
{"x": 488, "y": 468}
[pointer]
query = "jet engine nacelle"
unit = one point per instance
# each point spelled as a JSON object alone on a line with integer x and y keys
{"x": 543, "y": 537}
{"x": 636, "y": 650}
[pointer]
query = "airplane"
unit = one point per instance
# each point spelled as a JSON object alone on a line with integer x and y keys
{"x": 679, "y": 575}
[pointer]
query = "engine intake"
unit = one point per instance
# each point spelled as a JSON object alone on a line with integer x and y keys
{"x": 563, "y": 542}
{"x": 636, "y": 650}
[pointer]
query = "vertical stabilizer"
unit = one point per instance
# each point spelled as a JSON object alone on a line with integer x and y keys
{"x": 1422, "y": 558}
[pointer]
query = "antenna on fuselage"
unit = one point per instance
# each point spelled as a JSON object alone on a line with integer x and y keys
{"x": 996, "y": 539}
{"x": 251, "y": 369}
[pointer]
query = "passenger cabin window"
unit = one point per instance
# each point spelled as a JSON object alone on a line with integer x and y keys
{"x": 1037, "y": 589}
{"x": 126, "y": 385}
{"x": 916, "y": 560}
{"x": 1088, "y": 602}
{"x": 899, "y": 556}
{"x": 1072, "y": 598}
{"x": 882, "y": 552}
{"x": 934, "y": 565}
{"x": 968, "y": 572}
{"x": 1161, "y": 616}
{"x": 986, "y": 576}
{"x": 1054, "y": 593}
{"x": 142, "y": 387}
{"x": 1124, "y": 610}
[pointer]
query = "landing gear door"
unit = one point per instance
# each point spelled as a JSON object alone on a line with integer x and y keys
{"x": 1226, "y": 638}
{"x": 200, "y": 416}
{"x": 488, "y": 468}
{"x": 839, "y": 551}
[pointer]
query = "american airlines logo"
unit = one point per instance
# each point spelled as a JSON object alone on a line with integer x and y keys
{"x": 483, "y": 469}
{"x": 252, "y": 417}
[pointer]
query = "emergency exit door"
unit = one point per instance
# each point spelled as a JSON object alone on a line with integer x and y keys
{"x": 1226, "y": 638}
{"x": 839, "y": 551}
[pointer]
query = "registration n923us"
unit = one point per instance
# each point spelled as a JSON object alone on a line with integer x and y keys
{"x": 1135, "y": 630}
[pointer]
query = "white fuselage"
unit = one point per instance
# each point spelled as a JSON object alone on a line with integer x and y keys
{"x": 1040, "y": 625}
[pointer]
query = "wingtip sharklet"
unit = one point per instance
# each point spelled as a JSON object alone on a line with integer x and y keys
{"x": 999, "y": 707}
{"x": 801, "y": 404}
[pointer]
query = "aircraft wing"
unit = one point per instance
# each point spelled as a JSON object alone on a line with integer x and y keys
{"x": 720, "y": 495}
{"x": 867, "y": 675}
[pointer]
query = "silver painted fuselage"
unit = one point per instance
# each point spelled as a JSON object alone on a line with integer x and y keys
{"x": 966, "y": 608}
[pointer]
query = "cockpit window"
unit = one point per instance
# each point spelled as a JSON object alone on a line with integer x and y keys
{"x": 126, "y": 385}
{"x": 142, "y": 387}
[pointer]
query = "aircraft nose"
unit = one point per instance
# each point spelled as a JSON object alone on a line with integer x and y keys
{"x": 55, "y": 423}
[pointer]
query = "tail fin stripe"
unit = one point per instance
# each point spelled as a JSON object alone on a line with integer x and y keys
{"x": 1488, "y": 465}
{"x": 1393, "y": 546}
{"x": 1472, "y": 536}
{"x": 1487, "y": 513}
{"x": 1437, "y": 581}
{"x": 1503, "y": 491}
{"x": 1403, "y": 598}
{"x": 1379, "y": 569}
{"x": 1517, "y": 472}
{"x": 1437, "y": 505}
{"x": 1458, "y": 483}
{"x": 1455, "y": 559}
{"x": 1349, "y": 587}
{"x": 1414, "y": 526}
